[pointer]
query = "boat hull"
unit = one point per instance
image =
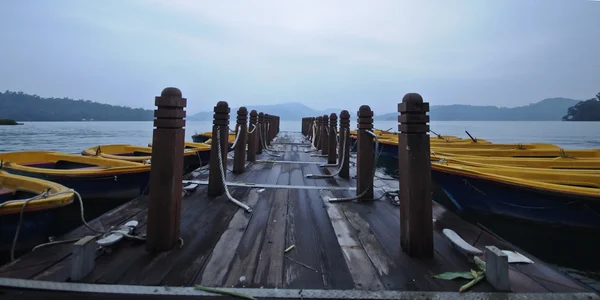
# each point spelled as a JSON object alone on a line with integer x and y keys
{"x": 470, "y": 194}
{"x": 104, "y": 187}
{"x": 36, "y": 228}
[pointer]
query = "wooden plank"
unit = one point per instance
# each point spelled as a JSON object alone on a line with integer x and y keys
{"x": 269, "y": 270}
{"x": 246, "y": 255}
{"x": 299, "y": 232}
{"x": 389, "y": 273}
{"x": 419, "y": 272}
{"x": 363, "y": 273}
{"x": 217, "y": 266}
{"x": 336, "y": 274}
{"x": 202, "y": 230}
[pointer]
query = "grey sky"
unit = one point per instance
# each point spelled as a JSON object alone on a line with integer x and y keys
{"x": 335, "y": 53}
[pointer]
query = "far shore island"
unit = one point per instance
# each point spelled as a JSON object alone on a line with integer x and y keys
{"x": 9, "y": 122}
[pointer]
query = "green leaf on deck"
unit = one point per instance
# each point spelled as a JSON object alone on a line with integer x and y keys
{"x": 454, "y": 275}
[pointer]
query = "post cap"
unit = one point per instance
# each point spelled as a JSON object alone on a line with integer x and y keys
{"x": 333, "y": 116}
{"x": 345, "y": 114}
{"x": 253, "y": 113}
{"x": 242, "y": 110}
{"x": 170, "y": 92}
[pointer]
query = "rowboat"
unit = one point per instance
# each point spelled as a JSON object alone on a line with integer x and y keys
{"x": 42, "y": 200}
{"x": 562, "y": 163}
{"x": 550, "y": 197}
{"x": 92, "y": 177}
{"x": 530, "y": 153}
{"x": 192, "y": 157}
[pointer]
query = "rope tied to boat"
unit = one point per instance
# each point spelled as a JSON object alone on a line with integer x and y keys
{"x": 373, "y": 174}
{"x": 82, "y": 215}
{"x": 340, "y": 163}
{"x": 220, "y": 156}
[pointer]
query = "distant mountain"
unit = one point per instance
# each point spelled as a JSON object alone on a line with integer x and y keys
{"x": 286, "y": 111}
{"x": 24, "y": 107}
{"x": 551, "y": 109}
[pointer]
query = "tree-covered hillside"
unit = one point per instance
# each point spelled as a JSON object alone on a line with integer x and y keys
{"x": 588, "y": 110}
{"x": 24, "y": 107}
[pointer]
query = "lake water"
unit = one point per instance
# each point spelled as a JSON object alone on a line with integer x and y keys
{"x": 73, "y": 137}
{"x": 569, "y": 251}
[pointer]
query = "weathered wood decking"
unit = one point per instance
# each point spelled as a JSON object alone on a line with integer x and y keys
{"x": 341, "y": 246}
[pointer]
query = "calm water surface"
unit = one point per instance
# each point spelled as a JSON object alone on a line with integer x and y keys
{"x": 73, "y": 137}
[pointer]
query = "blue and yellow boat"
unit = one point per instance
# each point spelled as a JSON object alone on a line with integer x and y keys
{"x": 552, "y": 197}
{"x": 193, "y": 158}
{"x": 92, "y": 177}
{"x": 42, "y": 200}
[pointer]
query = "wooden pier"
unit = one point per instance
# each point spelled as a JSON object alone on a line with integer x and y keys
{"x": 294, "y": 244}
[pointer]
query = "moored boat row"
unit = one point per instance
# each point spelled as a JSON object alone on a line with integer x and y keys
{"x": 37, "y": 187}
{"x": 536, "y": 182}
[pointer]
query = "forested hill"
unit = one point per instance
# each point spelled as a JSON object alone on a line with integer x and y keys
{"x": 24, "y": 107}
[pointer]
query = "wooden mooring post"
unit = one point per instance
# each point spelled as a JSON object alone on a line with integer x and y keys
{"x": 239, "y": 158}
{"x": 221, "y": 128}
{"x": 164, "y": 204}
{"x": 324, "y": 136}
{"x": 318, "y": 132}
{"x": 415, "y": 177}
{"x": 332, "y": 153}
{"x": 261, "y": 120}
{"x": 267, "y": 134}
{"x": 313, "y": 132}
{"x": 364, "y": 155}
{"x": 311, "y": 123}
{"x": 344, "y": 152}
{"x": 252, "y": 137}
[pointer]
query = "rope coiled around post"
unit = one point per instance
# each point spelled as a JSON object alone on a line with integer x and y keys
{"x": 374, "y": 169}
{"x": 266, "y": 149}
{"x": 238, "y": 203}
{"x": 341, "y": 162}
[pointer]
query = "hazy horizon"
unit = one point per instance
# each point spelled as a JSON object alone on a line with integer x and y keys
{"x": 322, "y": 54}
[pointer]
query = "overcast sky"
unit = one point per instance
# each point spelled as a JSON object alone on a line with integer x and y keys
{"x": 338, "y": 54}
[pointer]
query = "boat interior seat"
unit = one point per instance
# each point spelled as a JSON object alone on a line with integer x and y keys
{"x": 5, "y": 192}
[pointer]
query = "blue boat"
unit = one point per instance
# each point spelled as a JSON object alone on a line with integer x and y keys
{"x": 550, "y": 204}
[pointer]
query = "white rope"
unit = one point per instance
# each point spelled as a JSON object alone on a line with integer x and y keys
{"x": 253, "y": 128}
{"x": 240, "y": 204}
{"x": 261, "y": 131}
{"x": 374, "y": 169}
{"x": 237, "y": 136}
{"x": 341, "y": 162}
{"x": 41, "y": 196}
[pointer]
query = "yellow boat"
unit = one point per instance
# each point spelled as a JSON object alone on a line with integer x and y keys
{"x": 551, "y": 197}
{"x": 139, "y": 154}
{"x": 38, "y": 214}
{"x": 562, "y": 163}
{"x": 92, "y": 177}
{"x": 543, "y": 152}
